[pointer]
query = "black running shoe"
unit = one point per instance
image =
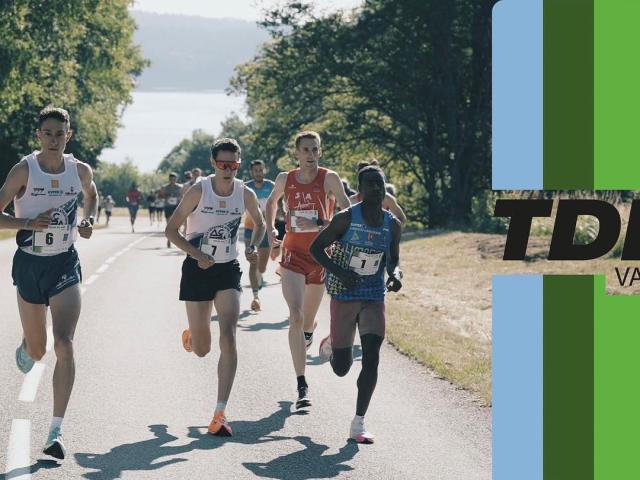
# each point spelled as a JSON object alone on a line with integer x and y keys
{"x": 303, "y": 398}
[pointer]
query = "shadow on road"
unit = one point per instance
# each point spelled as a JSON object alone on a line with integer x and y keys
{"x": 306, "y": 463}
{"x": 315, "y": 360}
{"x": 39, "y": 465}
{"x": 243, "y": 314}
{"x": 144, "y": 455}
{"x": 256, "y": 327}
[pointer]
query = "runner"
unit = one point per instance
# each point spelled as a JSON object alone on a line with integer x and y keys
{"x": 160, "y": 204}
{"x": 151, "y": 205}
{"x": 211, "y": 272}
{"x": 133, "y": 203}
{"x": 368, "y": 238}
{"x": 390, "y": 203}
{"x": 44, "y": 187}
{"x": 100, "y": 206}
{"x": 108, "y": 208}
{"x": 262, "y": 188}
{"x": 171, "y": 194}
{"x": 306, "y": 193}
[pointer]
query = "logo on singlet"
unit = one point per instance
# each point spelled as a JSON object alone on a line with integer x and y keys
{"x": 55, "y": 183}
{"x": 59, "y": 217}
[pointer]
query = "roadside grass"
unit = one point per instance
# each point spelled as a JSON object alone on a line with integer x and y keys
{"x": 4, "y": 234}
{"x": 442, "y": 315}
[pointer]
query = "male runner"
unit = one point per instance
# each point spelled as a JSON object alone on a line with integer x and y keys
{"x": 133, "y": 203}
{"x": 171, "y": 193}
{"x": 306, "y": 192}
{"x": 368, "y": 238}
{"x": 211, "y": 272}
{"x": 44, "y": 188}
{"x": 389, "y": 203}
{"x": 262, "y": 188}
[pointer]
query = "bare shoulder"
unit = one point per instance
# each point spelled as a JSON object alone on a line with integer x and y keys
{"x": 249, "y": 193}
{"x": 84, "y": 170}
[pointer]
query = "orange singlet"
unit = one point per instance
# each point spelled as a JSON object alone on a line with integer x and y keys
{"x": 307, "y": 200}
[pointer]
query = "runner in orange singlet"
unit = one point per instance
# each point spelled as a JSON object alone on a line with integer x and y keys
{"x": 306, "y": 191}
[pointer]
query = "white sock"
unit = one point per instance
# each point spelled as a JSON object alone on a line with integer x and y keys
{"x": 358, "y": 419}
{"x": 56, "y": 422}
{"x": 255, "y": 294}
{"x": 220, "y": 406}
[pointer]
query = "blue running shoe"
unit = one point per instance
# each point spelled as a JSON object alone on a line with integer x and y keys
{"x": 23, "y": 360}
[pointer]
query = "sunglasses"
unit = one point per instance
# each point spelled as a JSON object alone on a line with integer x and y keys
{"x": 233, "y": 166}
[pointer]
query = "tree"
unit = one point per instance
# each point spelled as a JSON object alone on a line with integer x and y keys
{"x": 77, "y": 54}
{"x": 406, "y": 81}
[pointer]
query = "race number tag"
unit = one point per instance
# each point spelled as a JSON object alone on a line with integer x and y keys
{"x": 365, "y": 263}
{"x": 172, "y": 201}
{"x": 55, "y": 238}
{"x": 309, "y": 214}
{"x": 220, "y": 250}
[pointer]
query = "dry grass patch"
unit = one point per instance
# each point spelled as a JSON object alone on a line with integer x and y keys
{"x": 4, "y": 234}
{"x": 442, "y": 315}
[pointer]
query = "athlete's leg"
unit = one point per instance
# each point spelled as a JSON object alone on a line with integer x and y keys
{"x": 293, "y": 289}
{"x": 199, "y": 317}
{"x": 313, "y": 294}
{"x": 34, "y": 327}
{"x": 344, "y": 316}
{"x": 369, "y": 375}
{"x": 227, "y": 303}
{"x": 263, "y": 259}
{"x": 65, "y": 311}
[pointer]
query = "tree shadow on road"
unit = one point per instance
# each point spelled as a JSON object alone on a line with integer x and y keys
{"x": 256, "y": 327}
{"x": 306, "y": 463}
{"x": 39, "y": 465}
{"x": 144, "y": 455}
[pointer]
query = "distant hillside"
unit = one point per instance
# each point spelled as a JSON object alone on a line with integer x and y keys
{"x": 193, "y": 53}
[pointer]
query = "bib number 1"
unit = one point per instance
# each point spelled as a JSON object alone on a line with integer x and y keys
{"x": 365, "y": 263}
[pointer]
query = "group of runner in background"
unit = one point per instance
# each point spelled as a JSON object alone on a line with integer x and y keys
{"x": 347, "y": 254}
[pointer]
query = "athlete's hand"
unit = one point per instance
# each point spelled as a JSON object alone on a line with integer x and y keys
{"x": 251, "y": 254}
{"x": 39, "y": 223}
{"x": 393, "y": 283}
{"x": 273, "y": 238}
{"x": 205, "y": 261}
{"x": 85, "y": 229}
{"x": 348, "y": 278}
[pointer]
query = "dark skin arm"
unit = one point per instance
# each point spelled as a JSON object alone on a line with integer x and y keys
{"x": 393, "y": 270}
{"x": 335, "y": 230}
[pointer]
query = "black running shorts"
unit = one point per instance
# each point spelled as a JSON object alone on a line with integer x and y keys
{"x": 198, "y": 285}
{"x": 39, "y": 278}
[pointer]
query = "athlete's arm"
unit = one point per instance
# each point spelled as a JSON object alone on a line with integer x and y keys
{"x": 336, "y": 229}
{"x": 90, "y": 192}
{"x": 391, "y": 203}
{"x": 172, "y": 231}
{"x": 253, "y": 210}
{"x": 272, "y": 205}
{"x": 393, "y": 270}
{"x": 353, "y": 199}
{"x": 333, "y": 184}
{"x": 16, "y": 182}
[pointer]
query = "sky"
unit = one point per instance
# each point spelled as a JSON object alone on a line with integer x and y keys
{"x": 243, "y": 9}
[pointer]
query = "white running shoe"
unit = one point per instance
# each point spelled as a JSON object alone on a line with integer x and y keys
{"x": 358, "y": 433}
{"x": 325, "y": 350}
{"x": 55, "y": 447}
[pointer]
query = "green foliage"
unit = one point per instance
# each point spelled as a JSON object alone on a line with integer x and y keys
{"x": 189, "y": 153}
{"x": 482, "y": 219}
{"x": 405, "y": 81}
{"x": 77, "y": 54}
{"x": 115, "y": 179}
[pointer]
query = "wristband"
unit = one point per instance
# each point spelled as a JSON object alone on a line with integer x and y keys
{"x": 320, "y": 222}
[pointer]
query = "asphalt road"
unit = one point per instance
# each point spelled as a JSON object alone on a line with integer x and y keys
{"x": 141, "y": 405}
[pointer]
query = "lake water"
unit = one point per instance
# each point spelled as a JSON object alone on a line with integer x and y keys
{"x": 157, "y": 121}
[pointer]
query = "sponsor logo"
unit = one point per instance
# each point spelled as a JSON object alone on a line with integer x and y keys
{"x": 223, "y": 204}
{"x": 55, "y": 183}
{"x": 55, "y": 193}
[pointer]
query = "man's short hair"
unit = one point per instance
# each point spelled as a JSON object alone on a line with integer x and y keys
{"x": 368, "y": 169}
{"x": 257, "y": 162}
{"x": 196, "y": 169}
{"x": 361, "y": 165}
{"x": 225, "y": 145}
{"x": 173, "y": 174}
{"x": 307, "y": 134}
{"x": 54, "y": 112}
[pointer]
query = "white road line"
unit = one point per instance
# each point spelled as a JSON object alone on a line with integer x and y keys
{"x": 49, "y": 338}
{"x": 82, "y": 290}
{"x": 103, "y": 268}
{"x": 19, "y": 450}
{"x": 31, "y": 382}
{"x": 111, "y": 259}
{"x": 91, "y": 279}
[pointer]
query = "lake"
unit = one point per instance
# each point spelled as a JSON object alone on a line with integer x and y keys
{"x": 157, "y": 121}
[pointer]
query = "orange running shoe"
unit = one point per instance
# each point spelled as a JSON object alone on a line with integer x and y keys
{"x": 255, "y": 305}
{"x": 219, "y": 426}
{"x": 186, "y": 340}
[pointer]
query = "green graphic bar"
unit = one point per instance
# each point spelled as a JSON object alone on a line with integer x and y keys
{"x": 616, "y": 384}
{"x": 616, "y": 94}
{"x": 568, "y": 95}
{"x": 568, "y": 378}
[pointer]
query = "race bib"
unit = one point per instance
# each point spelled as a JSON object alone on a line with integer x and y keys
{"x": 365, "y": 263}
{"x": 221, "y": 250}
{"x": 310, "y": 214}
{"x": 55, "y": 238}
{"x": 172, "y": 201}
